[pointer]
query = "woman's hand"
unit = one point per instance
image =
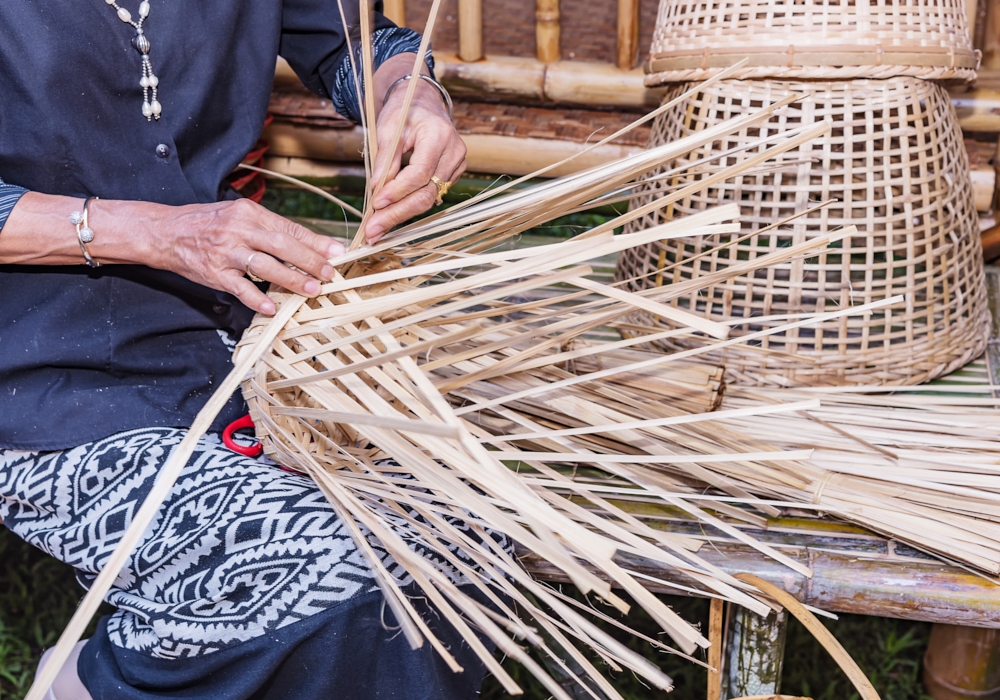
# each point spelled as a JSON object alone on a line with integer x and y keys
{"x": 212, "y": 244}
{"x": 429, "y": 136}
{"x": 218, "y": 244}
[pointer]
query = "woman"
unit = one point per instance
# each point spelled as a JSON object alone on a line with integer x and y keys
{"x": 126, "y": 274}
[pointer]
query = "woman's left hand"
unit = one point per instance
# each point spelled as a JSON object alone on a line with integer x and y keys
{"x": 429, "y": 137}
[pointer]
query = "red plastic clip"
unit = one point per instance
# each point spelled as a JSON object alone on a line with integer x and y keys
{"x": 243, "y": 423}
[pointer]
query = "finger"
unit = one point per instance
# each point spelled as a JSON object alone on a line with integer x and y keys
{"x": 428, "y": 150}
{"x": 411, "y": 205}
{"x": 264, "y": 266}
{"x": 288, "y": 249}
{"x": 248, "y": 293}
{"x": 458, "y": 171}
{"x": 324, "y": 246}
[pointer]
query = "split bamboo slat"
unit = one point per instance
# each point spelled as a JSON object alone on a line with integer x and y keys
{"x": 893, "y": 165}
{"x": 812, "y": 39}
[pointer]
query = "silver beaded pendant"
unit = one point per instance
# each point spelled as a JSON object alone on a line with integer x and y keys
{"x": 151, "y": 108}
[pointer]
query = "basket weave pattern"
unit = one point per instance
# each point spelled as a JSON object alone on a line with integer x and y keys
{"x": 895, "y": 164}
{"x": 812, "y": 39}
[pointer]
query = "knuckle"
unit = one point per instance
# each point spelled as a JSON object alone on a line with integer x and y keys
{"x": 426, "y": 197}
{"x": 244, "y": 205}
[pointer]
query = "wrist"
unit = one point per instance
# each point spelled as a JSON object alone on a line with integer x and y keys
{"x": 428, "y": 95}
{"x": 123, "y": 232}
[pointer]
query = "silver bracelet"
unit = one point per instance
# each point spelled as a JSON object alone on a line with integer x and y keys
{"x": 84, "y": 233}
{"x": 440, "y": 88}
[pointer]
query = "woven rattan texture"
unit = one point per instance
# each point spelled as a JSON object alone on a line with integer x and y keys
{"x": 812, "y": 39}
{"x": 896, "y": 166}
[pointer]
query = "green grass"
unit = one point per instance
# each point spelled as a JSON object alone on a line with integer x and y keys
{"x": 38, "y": 595}
{"x": 37, "y": 598}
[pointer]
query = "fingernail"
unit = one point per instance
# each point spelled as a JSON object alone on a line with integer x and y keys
{"x": 336, "y": 250}
{"x": 373, "y": 232}
{"x": 312, "y": 288}
{"x": 267, "y": 308}
{"x": 327, "y": 272}
{"x": 382, "y": 203}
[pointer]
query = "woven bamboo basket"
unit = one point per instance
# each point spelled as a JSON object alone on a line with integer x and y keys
{"x": 895, "y": 166}
{"x": 812, "y": 39}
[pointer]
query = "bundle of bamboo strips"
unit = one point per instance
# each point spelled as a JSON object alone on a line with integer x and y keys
{"x": 921, "y": 464}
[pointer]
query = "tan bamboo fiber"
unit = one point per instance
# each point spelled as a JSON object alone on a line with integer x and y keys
{"x": 895, "y": 167}
{"x": 812, "y": 39}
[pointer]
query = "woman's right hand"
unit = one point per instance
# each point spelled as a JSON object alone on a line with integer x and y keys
{"x": 218, "y": 244}
{"x": 210, "y": 244}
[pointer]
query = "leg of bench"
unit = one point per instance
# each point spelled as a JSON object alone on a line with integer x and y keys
{"x": 754, "y": 652}
{"x": 963, "y": 663}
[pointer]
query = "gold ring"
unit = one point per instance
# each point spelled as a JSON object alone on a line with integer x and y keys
{"x": 442, "y": 188}
{"x": 252, "y": 276}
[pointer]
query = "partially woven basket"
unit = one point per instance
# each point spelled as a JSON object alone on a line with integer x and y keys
{"x": 812, "y": 39}
{"x": 895, "y": 165}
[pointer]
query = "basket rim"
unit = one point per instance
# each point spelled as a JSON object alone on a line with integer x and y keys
{"x": 812, "y": 56}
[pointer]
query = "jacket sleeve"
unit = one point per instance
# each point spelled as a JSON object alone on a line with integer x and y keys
{"x": 9, "y": 195}
{"x": 314, "y": 41}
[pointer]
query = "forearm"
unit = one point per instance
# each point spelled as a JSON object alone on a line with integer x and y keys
{"x": 39, "y": 231}
{"x": 211, "y": 244}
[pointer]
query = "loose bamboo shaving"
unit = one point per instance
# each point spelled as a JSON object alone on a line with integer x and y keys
{"x": 436, "y": 358}
{"x": 384, "y": 364}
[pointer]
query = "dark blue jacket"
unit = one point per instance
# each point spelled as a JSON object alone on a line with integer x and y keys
{"x": 88, "y": 353}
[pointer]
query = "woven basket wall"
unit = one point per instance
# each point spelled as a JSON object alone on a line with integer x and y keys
{"x": 812, "y": 39}
{"x": 894, "y": 162}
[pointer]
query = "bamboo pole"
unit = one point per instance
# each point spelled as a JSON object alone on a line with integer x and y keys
{"x": 628, "y": 33}
{"x": 395, "y": 10}
{"x": 470, "y": 30}
{"x": 566, "y": 82}
{"x": 547, "y": 31}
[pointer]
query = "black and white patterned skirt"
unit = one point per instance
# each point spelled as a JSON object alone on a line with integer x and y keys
{"x": 243, "y": 564}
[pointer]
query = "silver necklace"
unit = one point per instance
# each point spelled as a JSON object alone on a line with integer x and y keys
{"x": 151, "y": 108}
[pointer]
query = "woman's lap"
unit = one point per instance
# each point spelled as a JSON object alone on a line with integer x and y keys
{"x": 240, "y": 553}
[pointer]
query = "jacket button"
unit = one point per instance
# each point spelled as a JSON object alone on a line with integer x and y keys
{"x": 220, "y": 309}
{"x": 163, "y": 150}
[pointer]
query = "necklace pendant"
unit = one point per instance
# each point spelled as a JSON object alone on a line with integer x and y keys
{"x": 141, "y": 44}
